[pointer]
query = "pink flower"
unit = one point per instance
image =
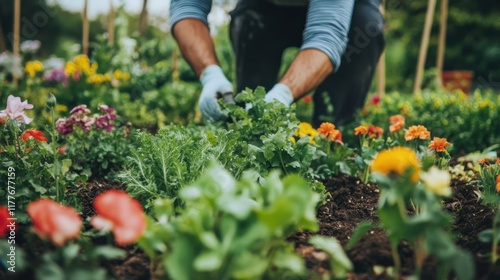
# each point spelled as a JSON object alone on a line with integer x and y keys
{"x": 52, "y": 220}
{"x": 15, "y": 109}
{"x": 81, "y": 109}
{"x": 123, "y": 215}
{"x": 106, "y": 109}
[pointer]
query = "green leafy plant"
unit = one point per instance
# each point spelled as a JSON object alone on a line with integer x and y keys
{"x": 398, "y": 173}
{"x": 97, "y": 143}
{"x": 488, "y": 183}
{"x": 234, "y": 229}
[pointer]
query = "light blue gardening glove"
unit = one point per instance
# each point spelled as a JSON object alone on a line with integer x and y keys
{"x": 281, "y": 93}
{"x": 215, "y": 86}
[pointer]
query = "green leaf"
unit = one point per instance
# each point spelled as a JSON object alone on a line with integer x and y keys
{"x": 339, "y": 262}
{"x": 358, "y": 232}
{"x": 208, "y": 261}
{"x": 109, "y": 252}
{"x": 49, "y": 271}
{"x": 486, "y": 236}
{"x": 66, "y": 164}
{"x": 71, "y": 251}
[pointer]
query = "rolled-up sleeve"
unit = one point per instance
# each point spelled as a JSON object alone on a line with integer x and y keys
{"x": 196, "y": 9}
{"x": 327, "y": 26}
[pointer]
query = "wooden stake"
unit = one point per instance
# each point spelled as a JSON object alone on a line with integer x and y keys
{"x": 424, "y": 45}
{"x": 3, "y": 45}
{"x": 85, "y": 36}
{"x": 143, "y": 20}
{"x": 442, "y": 39}
{"x": 381, "y": 65}
{"x": 381, "y": 75}
{"x": 17, "y": 37}
{"x": 111, "y": 23}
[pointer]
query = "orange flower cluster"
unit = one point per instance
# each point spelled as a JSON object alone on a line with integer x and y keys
{"x": 375, "y": 131}
{"x": 397, "y": 123}
{"x": 498, "y": 183}
{"x": 329, "y": 132}
{"x": 361, "y": 130}
{"x": 417, "y": 132}
{"x": 36, "y": 134}
{"x": 439, "y": 144}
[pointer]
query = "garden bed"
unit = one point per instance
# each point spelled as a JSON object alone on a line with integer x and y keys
{"x": 350, "y": 203}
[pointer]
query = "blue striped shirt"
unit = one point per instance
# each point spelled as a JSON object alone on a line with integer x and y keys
{"x": 326, "y": 28}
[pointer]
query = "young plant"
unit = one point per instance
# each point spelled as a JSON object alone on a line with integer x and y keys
{"x": 404, "y": 185}
{"x": 488, "y": 183}
{"x": 233, "y": 229}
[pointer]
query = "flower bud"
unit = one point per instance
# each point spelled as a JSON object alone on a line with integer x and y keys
{"x": 51, "y": 100}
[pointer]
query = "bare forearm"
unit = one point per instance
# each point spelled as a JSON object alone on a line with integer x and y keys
{"x": 195, "y": 43}
{"x": 307, "y": 71}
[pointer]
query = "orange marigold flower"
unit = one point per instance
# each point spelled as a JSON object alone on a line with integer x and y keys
{"x": 36, "y": 134}
{"x": 417, "y": 132}
{"x": 361, "y": 130}
{"x": 498, "y": 183}
{"x": 397, "y": 160}
{"x": 397, "y": 122}
{"x": 483, "y": 161}
{"x": 329, "y": 132}
{"x": 326, "y": 128}
{"x": 375, "y": 131}
{"x": 439, "y": 144}
{"x": 335, "y": 135}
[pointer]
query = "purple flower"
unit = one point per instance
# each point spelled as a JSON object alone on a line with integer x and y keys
{"x": 57, "y": 76}
{"x": 64, "y": 127}
{"x": 81, "y": 109}
{"x": 15, "y": 109}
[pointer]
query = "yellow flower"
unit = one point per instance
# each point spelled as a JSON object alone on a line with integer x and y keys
{"x": 81, "y": 64}
{"x": 305, "y": 129}
{"x": 61, "y": 108}
{"x": 118, "y": 74}
{"x": 292, "y": 139}
{"x": 397, "y": 160}
{"x": 437, "y": 181}
{"x": 33, "y": 67}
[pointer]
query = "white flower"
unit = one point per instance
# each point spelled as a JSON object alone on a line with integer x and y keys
{"x": 437, "y": 181}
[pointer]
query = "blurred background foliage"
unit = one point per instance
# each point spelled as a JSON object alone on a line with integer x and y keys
{"x": 472, "y": 38}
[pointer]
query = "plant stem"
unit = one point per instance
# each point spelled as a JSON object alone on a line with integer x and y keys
{"x": 494, "y": 254}
{"x": 395, "y": 258}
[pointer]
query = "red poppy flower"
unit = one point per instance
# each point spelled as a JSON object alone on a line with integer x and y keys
{"x": 4, "y": 221}
{"x": 36, "y": 134}
{"x": 123, "y": 215}
{"x": 52, "y": 220}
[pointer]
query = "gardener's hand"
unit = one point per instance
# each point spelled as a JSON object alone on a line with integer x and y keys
{"x": 281, "y": 93}
{"x": 215, "y": 86}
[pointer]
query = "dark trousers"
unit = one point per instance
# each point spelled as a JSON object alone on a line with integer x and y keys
{"x": 261, "y": 31}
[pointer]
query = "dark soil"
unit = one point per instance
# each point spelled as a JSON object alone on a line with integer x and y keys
{"x": 352, "y": 202}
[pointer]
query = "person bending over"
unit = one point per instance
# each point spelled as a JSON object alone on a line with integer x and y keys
{"x": 340, "y": 44}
